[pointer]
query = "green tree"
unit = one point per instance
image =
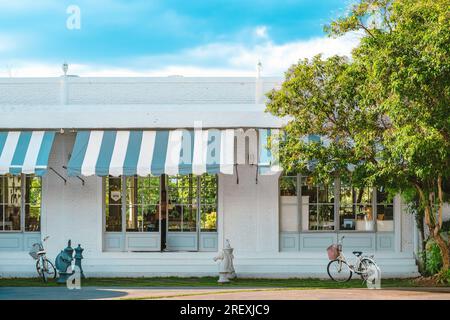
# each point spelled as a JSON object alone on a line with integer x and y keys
{"x": 385, "y": 113}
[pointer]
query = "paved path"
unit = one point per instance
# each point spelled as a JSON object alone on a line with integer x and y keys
{"x": 61, "y": 293}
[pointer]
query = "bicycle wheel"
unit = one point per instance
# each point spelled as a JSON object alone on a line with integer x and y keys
{"x": 368, "y": 270}
{"x": 339, "y": 271}
{"x": 40, "y": 270}
{"x": 50, "y": 269}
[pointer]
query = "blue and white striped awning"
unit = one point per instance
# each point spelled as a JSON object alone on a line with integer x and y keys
{"x": 157, "y": 152}
{"x": 25, "y": 152}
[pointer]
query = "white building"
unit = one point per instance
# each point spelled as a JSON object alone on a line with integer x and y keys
{"x": 104, "y": 137}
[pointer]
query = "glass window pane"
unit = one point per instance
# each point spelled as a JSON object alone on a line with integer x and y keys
{"x": 151, "y": 218}
{"x": 288, "y": 186}
{"x": 174, "y": 213}
{"x": 3, "y": 197}
{"x": 309, "y": 192}
{"x": 33, "y": 194}
{"x": 113, "y": 204}
{"x": 318, "y": 200}
{"x": 325, "y": 217}
{"x": 326, "y": 193}
{"x": 133, "y": 218}
{"x": 189, "y": 218}
{"x": 385, "y": 217}
{"x": 208, "y": 218}
{"x": 208, "y": 189}
{"x": 12, "y": 201}
{"x": 356, "y": 212}
{"x": 32, "y": 218}
{"x": 347, "y": 218}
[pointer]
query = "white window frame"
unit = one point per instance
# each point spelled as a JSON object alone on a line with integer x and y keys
{"x": 23, "y": 192}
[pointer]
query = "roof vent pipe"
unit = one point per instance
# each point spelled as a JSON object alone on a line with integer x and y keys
{"x": 258, "y": 84}
{"x": 63, "y": 89}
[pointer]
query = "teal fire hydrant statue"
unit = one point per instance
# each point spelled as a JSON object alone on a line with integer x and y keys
{"x": 78, "y": 256}
{"x": 64, "y": 260}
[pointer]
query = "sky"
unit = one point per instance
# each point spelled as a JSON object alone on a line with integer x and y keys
{"x": 165, "y": 37}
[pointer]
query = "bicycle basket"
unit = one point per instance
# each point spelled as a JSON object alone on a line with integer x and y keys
{"x": 333, "y": 251}
{"x": 35, "y": 248}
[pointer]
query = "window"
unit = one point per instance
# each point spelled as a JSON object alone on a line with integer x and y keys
{"x": 385, "y": 211}
{"x": 142, "y": 212}
{"x": 356, "y": 210}
{"x": 182, "y": 203}
{"x": 317, "y": 205}
{"x": 208, "y": 203}
{"x": 20, "y": 194}
{"x": 288, "y": 186}
{"x": 113, "y": 204}
{"x": 190, "y": 201}
{"x": 33, "y": 196}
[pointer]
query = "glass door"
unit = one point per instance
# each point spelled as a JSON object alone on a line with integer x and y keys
{"x": 182, "y": 213}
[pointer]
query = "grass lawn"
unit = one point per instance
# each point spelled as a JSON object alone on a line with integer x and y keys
{"x": 207, "y": 282}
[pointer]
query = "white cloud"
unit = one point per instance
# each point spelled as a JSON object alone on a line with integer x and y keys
{"x": 216, "y": 59}
{"x": 261, "y": 32}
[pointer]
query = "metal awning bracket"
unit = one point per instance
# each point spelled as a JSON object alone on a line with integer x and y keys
{"x": 58, "y": 174}
{"x": 79, "y": 178}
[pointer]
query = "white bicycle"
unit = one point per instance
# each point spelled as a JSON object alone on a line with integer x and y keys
{"x": 339, "y": 268}
{"x": 44, "y": 267}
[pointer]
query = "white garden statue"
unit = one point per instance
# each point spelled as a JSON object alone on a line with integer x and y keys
{"x": 226, "y": 268}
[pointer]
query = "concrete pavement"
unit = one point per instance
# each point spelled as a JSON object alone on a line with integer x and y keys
{"x": 62, "y": 293}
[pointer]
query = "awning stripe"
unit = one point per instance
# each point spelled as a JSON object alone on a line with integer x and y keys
{"x": 20, "y": 152}
{"x": 78, "y": 153}
{"x": 92, "y": 153}
{"x": 119, "y": 153}
{"x": 173, "y": 152}
{"x": 105, "y": 153}
{"x": 146, "y": 153}
{"x": 44, "y": 153}
{"x": 159, "y": 152}
{"x": 186, "y": 152}
{"x": 227, "y": 151}
{"x": 25, "y": 152}
{"x": 213, "y": 152}
{"x": 32, "y": 152}
{"x": 132, "y": 157}
{"x": 8, "y": 151}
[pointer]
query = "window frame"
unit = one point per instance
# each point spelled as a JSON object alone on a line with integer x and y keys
{"x": 198, "y": 202}
{"x": 337, "y": 205}
{"x": 23, "y": 191}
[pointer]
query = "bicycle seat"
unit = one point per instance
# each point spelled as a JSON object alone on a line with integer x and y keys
{"x": 357, "y": 253}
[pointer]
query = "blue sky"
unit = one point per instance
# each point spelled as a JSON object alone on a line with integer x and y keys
{"x": 157, "y": 37}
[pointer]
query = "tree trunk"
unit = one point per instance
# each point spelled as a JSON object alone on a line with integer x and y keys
{"x": 445, "y": 251}
{"x": 434, "y": 227}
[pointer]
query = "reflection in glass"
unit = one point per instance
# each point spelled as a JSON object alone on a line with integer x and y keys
{"x": 385, "y": 211}
{"x": 33, "y": 196}
{"x": 288, "y": 186}
{"x": 356, "y": 212}
{"x": 318, "y": 202}
{"x": 142, "y": 204}
{"x": 10, "y": 202}
{"x": 113, "y": 204}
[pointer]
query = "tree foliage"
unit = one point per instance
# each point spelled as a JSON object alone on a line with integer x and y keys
{"x": 384, "y": 114}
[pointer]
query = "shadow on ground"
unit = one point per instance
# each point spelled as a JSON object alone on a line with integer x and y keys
{"x": 58, "y": 293}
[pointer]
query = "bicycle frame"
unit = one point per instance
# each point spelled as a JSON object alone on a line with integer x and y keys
{"x": 354, "y": 268}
